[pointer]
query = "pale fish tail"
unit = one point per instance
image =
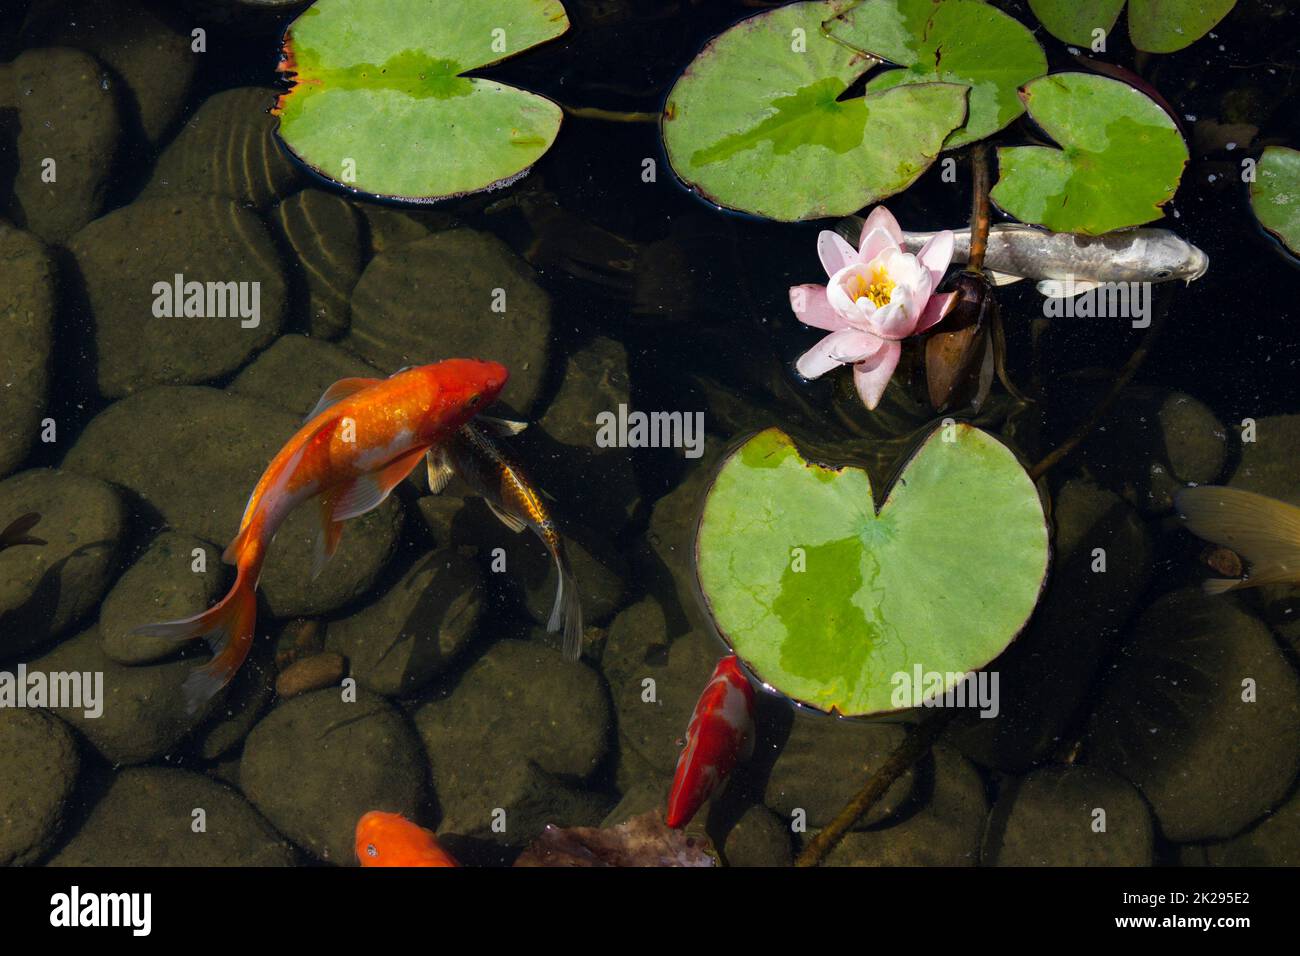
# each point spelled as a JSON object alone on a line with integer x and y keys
{"x": 1263, "y": 530}
{"x": 567, "y": 611}
{"x": 228, "y": 629}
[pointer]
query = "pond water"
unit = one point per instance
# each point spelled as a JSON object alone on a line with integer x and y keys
{"x": 415, "y": 675}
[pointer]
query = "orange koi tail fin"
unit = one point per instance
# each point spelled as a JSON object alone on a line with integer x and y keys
{"x": 227, "y": 627}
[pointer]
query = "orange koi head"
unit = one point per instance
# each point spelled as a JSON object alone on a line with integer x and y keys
{"x": 389, "y": 839}
{"x": 459, "y": 389}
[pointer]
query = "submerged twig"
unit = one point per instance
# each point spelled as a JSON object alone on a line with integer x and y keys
{"x": 611, "y": 116}
{"x": 915, "y": 745}
{"x": 979, "y": 212}
{"x": 1099, "y": 411}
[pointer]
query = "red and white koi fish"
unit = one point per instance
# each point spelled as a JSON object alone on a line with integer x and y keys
{"x": 359, "y": 442}
{"x": 720, "y": 735}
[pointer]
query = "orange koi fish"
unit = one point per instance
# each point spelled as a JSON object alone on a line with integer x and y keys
{"x": 389, "y": 839}
{"x": 359, "y": 442}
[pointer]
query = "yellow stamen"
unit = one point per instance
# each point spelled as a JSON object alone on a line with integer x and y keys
{"x": 878, "y": 290}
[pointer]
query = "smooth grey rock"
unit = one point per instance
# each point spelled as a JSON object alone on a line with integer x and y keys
{"x": 294, "y": 373}
{"x": 325, "y": 234}
{"x": 1273, "y": 841}
{"x": 26, "y": 342}
{"x": 316, "y": 764}
{"x": 38, "y": 773}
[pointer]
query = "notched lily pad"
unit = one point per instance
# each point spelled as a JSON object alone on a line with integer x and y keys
{"x": 1156, "y": 26}
{"x": 1275, "y": 194}
{"x": 757, "y": 123}
{"x": 380, "y": 102}
{"x": 952, "y": 41}
{"x": 1120, "y": 157}
{"x": 828, "y": 600}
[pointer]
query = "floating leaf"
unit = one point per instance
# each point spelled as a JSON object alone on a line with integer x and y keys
{"x": 380, "y": 102}
{"x": 827, "y": 600}
{"x": 1120, "y": 160}
{"x": 953, "y": 41}
{"x": 1275, "y": 194}
{"x": 1157, "y": 26}
{"x": 756, "y": 122}
{"x": 644, "y": 840}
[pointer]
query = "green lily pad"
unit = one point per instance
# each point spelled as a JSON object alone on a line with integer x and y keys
{"x": 952, "y": 41}
{"x": 1157, "y": 26}
{"x": 380, "y": 102}
{"x": 1120, "y": 160}
{"x": 756, "y": 122}
{"x": 826, "y": 599}
{"x": 1275, "y": 194}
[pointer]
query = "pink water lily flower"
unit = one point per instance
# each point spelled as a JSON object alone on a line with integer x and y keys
{"x": 878, "y": 295}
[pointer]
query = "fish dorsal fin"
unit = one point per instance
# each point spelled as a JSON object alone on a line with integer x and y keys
{"x": 438, "y": 465}
{"x": 1066, "y": 289}
{"x": 367, "y": 492}
{"x": 500, "y": 427}
{"x": 510, "y": 521}
{"x": 339, "y": 391}
{"x": 1003, "y": 278}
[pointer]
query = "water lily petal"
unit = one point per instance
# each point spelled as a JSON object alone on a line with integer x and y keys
{"x": 893, "y": 321}
{"x": 842, "y": 302}
{"x": 935, "y": 310}
{"x": 874, "y": 243}
{"x": 936, "y": 255}
{"x": 879, "y": 219}
{"x": 826, "y": 354}
{"x": 872, "y": 375}
{"x": 812, "y": 307}
{"x": 834, "y": 252}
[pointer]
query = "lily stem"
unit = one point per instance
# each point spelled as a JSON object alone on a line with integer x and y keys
{"x": 979, "y": 211}
{"x": 611, "y": 116}
{"x": 1102, "y": 407}
{"x": 914, "y": 747}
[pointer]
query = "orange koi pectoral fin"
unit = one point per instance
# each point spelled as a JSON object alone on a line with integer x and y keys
{"x": 367, "y": 492}
{"x": 339, "y": 391}
{"x": 329, "y": 535}
{"x": 227, "y": 627}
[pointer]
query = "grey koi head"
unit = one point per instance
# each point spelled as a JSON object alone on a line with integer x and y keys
{"x": 1157, "y": 255}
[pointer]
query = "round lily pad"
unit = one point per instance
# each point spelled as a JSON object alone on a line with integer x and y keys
{"x": 828, "y": 600}
{"x": 1275, "y": 194}
{"x": 380, "y": 103}
{"x": 1157, "y": 26}
{"x": 953, "y": 41}
{"x": 756, "y": 122}
{"x": 1120, "y": 160}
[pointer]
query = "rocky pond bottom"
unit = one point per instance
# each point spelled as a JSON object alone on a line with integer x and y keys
{"x": 415, "y": 674}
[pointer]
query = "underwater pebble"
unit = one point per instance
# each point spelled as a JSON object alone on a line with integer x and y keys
{"x": 1273, "y": 841}
{"x": 600, "y": 579}
{"x": 325, "y": 234}
{"x": 245, "y": 700}
{"x": 1267, "y": 464}
{"x": 161, "y": 585}
{"x": 26, "y": 340}
{"x": 1163, "y": 441}
{"x": 1173, "y": 721}
{"x": 798, "y": 778}
{"x": 315, "y": 764}
{"x": 1052, "y": 818}
{"x": 47, "y": 588}
{"x": 38, "y": 773}
{"x": 146, "y": 817}
{"x": 400, "y": 642}
{"x": 758, "y": 838}
{"x": 311, "y": 673}
{"x": 154, "y": 61}
{"x": 144, "y": 714}
{"x": 941, "y": 825}
{"x": 294, "y": 373}
{"x": 1044, "y": 677}
{"x": 67, "y": 115}
{"x": 159, "y": 444}
{"x": 389, "y": 227}
{"x": 202, "y": 238}
{"x": 433, "y": 299}
{"x": 518, "y": 720}
{"x": 227, "y": 148}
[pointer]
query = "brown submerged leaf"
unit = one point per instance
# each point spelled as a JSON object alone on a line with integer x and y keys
{"x": 644, "y": 840}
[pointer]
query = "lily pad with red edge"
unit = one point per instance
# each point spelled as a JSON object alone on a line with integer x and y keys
{"x": 380, "y": 102}
{"x": 1120, "y": 157}
{"x": 1156, "y": 26}
{"x": 759, "y": 120}
{"x": 1275, "y": 194}
{"x": 836, "y": 602}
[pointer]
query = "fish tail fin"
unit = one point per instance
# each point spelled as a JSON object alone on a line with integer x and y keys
{"x": 1263, "y": 530}
{"x": 567, "y": 611}
{"x": 227, "y": 627}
